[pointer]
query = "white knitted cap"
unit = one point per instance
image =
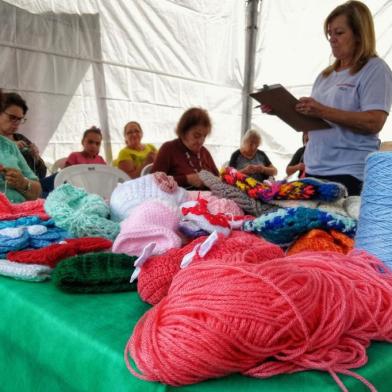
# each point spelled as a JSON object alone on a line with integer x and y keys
{"x": 130, "y": 194}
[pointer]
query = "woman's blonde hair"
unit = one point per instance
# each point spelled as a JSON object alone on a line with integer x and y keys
{"x": 360, "y": 20}
{"x": 250, "y": 134}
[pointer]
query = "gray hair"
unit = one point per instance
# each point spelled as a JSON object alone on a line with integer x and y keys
{"x": 250, "y": 134}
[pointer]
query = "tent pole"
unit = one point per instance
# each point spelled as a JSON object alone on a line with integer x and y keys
{"x": 252, "y": 13}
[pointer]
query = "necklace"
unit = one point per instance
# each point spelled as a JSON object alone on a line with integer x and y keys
{"x": 188, "y": 156}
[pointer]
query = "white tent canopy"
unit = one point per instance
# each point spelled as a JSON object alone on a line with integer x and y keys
{"x": 97, "y": 62}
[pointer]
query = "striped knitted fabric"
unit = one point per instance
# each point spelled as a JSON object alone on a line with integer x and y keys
{"x": 9, "y": 211}
{"x": 95, "y": 273}
{"x": 320, "y": 240}
{"x": 246, "y": 203}
{"x": 284, "y": 226}
{"x": 303, "y": 189}
{"x": 27, "y": 272}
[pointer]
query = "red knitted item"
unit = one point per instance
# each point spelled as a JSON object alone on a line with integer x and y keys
{"x": 10, "y": 211}
{"x": 157, "y": 273}
{"x": 321, "y": 240}
{"x": 51, "y": 255}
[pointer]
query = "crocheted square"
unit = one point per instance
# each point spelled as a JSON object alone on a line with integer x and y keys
{"x": 302, "y": 189}
{"x": 284, "y": 226}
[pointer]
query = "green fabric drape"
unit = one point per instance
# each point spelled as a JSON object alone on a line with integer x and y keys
{"x": 59, "y": 342}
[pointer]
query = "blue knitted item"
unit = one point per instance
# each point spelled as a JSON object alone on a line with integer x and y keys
{"x": 53, "y": 235}
{"x": 26, "y": 221}
{"x": 326, "y": 190}
{"x": 7, "y": 243}
{"x": 82, "y": 214}
{"x": 33, "y": 236}
{"x": 282, "y": 227}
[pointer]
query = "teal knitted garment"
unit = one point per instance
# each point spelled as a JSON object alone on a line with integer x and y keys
{"x": 285, "y": 225}
{"x": 82, "y": 214}
{"x": 95, "y": 273}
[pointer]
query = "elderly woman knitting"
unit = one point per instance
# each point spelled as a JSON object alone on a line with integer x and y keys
{"x": 250, "y": 160}
{"x": 184, "y": 157}
{"x": 17, "y": 180}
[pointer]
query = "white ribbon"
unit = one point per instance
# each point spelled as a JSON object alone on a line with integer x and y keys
{"x": 200, "y": 249}
{"x": 146, "y": 253}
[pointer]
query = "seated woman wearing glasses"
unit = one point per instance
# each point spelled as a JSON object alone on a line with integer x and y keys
{"x": 15, "y": 109}
{"x": 17, "y": 180}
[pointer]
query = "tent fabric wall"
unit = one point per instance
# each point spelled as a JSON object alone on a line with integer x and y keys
{"x": 105, "y": 63}
{"x": 156, "y": 59}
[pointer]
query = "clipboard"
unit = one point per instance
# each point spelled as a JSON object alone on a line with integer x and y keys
{"x": 283, "y": 104}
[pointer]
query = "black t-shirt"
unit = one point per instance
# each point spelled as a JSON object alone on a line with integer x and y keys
{"x": 297, "y": 158}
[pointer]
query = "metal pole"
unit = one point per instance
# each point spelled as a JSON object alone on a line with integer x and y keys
{"x": 252, "y": 14}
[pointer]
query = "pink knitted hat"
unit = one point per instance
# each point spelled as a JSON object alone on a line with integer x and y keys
{"x": 151, "y": 222}
{"x": 157, "y": 273}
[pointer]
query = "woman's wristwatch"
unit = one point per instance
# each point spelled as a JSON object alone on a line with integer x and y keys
{"x": 28, "y": 186}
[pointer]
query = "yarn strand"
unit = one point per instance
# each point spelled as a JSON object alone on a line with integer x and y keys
{"x": 307, "y": 311}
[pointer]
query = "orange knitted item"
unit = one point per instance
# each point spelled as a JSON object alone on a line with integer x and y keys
{"x": 321, "y": 240}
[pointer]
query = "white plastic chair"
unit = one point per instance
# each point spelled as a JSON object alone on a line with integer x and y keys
{"x": 57, "y": 165}
{"x": 146, "y": 169}
{"x": 98, "y": 179}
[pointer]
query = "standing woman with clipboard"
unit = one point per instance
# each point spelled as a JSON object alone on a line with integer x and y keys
{"x": 354, "y": 95}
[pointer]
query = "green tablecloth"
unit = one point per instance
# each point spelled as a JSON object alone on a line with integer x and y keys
{"x": 52, "y": 341}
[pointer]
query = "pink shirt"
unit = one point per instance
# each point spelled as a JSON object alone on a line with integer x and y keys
{"x": 78, "y": 158}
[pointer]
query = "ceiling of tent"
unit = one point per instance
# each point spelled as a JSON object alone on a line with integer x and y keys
{"x": 86, "y": 62}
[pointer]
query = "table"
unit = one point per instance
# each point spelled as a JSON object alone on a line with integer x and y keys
{"x": 59, "y": 342}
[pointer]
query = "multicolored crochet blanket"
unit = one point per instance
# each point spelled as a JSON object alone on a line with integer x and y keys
{"x": 303, "y": 189}
{"x": 284, "y": 226}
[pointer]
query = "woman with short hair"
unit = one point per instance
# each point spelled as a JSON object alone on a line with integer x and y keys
{"x": 184, "y": 157}
{"x": 250, "y": 160}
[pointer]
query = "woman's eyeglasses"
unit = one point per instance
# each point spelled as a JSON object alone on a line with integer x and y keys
{"x": 15, "y": 119}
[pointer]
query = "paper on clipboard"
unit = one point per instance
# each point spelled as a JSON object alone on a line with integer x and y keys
{"x": 283, "y": 104}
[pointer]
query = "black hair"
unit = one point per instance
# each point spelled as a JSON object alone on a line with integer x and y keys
{"x": 93, "y": 129}
{"x": 14, "y": 99}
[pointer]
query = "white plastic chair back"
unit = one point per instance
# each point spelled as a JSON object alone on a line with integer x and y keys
{"x": 98, "y": 179}
{"x": 57, "y": 165}
{"x": 146, "y": 169}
